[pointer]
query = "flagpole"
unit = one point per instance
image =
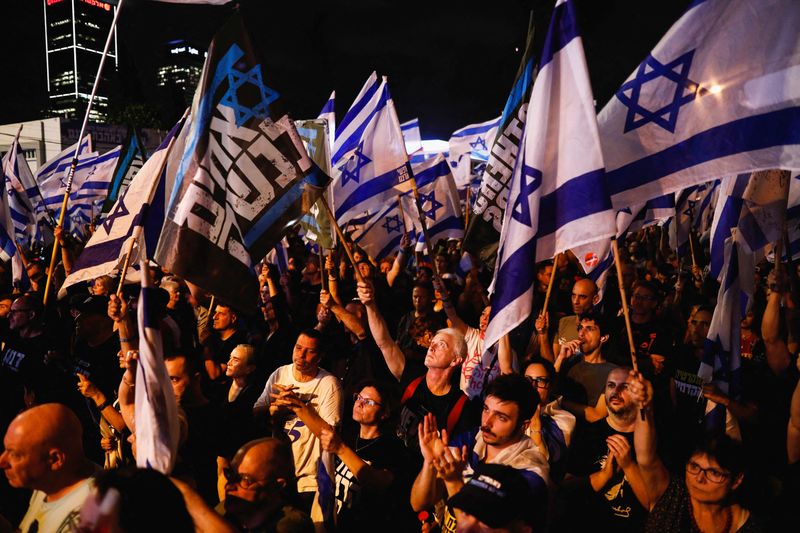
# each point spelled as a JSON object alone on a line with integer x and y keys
{"x": 625, "y": 310}
{"x": 336, "y": 227}
{"x": 422, "y": 222}
{"x": 73, "y": 166}
{"x": 466, "y": 207}
{"x": 550, "y": 283}
{"x": 322, "y": 272}
{"x": 137, "y": 230}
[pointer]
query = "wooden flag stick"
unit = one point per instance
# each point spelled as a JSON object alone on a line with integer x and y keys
{"x": 625, "y": 310}
{"x": 71, "y": 173}
{"x": 466, "y": 207}
{"x": 322, "y": 273}
{"x": 339, "y": 233}
{"x": 550, "y": 283}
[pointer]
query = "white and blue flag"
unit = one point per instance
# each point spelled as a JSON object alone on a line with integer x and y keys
{"x": 468, "y": 143}
{"x": 557, "y": 198}
{"x": 328, "y": 113}
{"x": 411, "y": 135}
{"x": 380, "y": 234}
{"x": 156, "y": 411}
{"x": 141, "y": 204}
{"x": 370, "y": 164}
{"x": 17, "y": 178}
{"x": 90, "y": 190}
{"x": 717, "y": 96}
{"x": 50, "y": 175}
{"x": 440, "y": 203}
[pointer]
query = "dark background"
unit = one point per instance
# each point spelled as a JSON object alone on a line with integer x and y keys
{"x": 449, "y": 63}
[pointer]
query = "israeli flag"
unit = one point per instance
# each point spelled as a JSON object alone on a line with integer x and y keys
{"x": 468, "y": 143}
{"x": 328, "y": 113}
{"x": 691, "y": 206}
{"x": 50, "y": 175}
{"x": 411, "y": 135}
{"x": 718, "y": 96}
{"x": 721, "y": 363}
{"x": 17, "y": 174}
{"x": 755, "y": 205}
{"x": 86, "y": 201}
{"x": 157, "y": 428}
{"x": 440, "y": 202}
{"x": 557, "y": 198}
{"x": 141, "y": 204}
{"x": 380, "y": 234}
{"x": 370, "y": 164}
{"x": 8, "y": 247}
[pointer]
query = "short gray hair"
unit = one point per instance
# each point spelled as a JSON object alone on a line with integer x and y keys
{"x": 459, "y": 343}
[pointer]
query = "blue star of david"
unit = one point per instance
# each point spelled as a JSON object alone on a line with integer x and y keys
{"x": 651, "y": 69}
{"x": 238, "y": 79}
{"x": 521, "y": 211}
{"x": 479, "y": 144}
{"x": 118, "y": 212}
{"x": 430, "y": 212}
{"x": 361, "y": 161}
{"x": 392, "y": 224}
{"x": 690, "y": 208}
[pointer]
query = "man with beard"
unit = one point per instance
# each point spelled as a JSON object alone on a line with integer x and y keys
{"x": 320, "y": 389}
{"x": 449, "y": 464}
{"x": 603, "y": 478}
{"x": 587, "y": 368}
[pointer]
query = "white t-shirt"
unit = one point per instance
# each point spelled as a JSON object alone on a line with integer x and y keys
{"x": 59, "y": 516}
{"x": 325, "y": 395}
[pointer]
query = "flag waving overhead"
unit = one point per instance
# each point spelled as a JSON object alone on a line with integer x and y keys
{"x": 439, "y": 198}
{"x": 473, "y": 141}
{"x": 106, "y": 249}
{"x": 17, "y": 178}
{"x": 557, "y": 198}
{"x": 483, "y": 232}
{"x": 243, "y": 179}
{"x": 130, "y": 161}
{"x": 717, "y": 96}
{"x": 51, "y": 175}
{"x": 370, "y": 164}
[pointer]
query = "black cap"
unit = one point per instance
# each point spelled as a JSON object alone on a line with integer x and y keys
{"x": 496, "y": 495}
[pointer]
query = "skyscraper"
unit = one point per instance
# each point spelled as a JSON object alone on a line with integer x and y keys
{"x": 75, "y": 33}
{"x": 181, "y": 69}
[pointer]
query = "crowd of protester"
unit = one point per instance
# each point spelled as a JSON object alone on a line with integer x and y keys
{"x": 365, "y": 400}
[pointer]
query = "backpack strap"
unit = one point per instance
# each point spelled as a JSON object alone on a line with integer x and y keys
{"x": 411, "y": 388}
{"x": 455, "y": 414}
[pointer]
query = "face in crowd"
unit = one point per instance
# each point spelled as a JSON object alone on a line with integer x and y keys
{"x": 442, "y": 352}
{"x": 590, "y": 336}
{"x": 617, "y": 396}
{"x": 500, "y": 423}
{"x": 538, "y": 376}
{"x": 224, "y": 318}
{"x": 584, "y": 294}
{"x": 421, "y": 299}
{"x": 306, "y": 355}
{"x": 369, "y": 408}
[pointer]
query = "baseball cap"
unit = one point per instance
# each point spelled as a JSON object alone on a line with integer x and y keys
{"x": 496, "y": 495}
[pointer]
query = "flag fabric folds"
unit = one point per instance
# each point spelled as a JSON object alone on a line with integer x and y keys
{"x": 130, "y": 162}
{"x": 51, "y": 176}
{"x": 369, "y": 161}
{"x": 468, "y": 143}
{"x": 89, "y": 190}
{"x": 483, "y": 232}
{"x": 244, "y": 177}
{"x": 440, "y": 203}
{"x": 316, "y": 223}
{"x": 105, "y": 251}
{"x": 156, "y": 410}
{"x": 380, "y": 234}
{"x": 716, "y": 97}
{"x": 17, "y": 178}
{"x": 557, "y": 199}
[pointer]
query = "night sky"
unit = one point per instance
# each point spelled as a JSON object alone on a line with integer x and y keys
{"x": 449, "y": 63}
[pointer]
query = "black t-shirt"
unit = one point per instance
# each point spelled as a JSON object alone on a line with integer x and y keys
{"x": 423, "y": 401}
{"x": 219, "y": 350}
{"x": 649, "y": 338}
{"x": 614, "y": 507}
{"x": 361, "y": 509}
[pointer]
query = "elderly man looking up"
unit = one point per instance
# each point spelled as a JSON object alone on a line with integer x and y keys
{"x": 437, "y": 390}
{"x": 43, "y": 451}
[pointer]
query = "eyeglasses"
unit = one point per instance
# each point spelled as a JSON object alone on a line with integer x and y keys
{"x": 366, "y": 401}
{"x": 712, "y": 474}
{"x": 243, "y": 480}
{"x": 540, "y": 382}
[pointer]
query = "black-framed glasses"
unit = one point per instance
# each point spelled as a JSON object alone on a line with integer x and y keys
{"x": 712, "y": 474}
{"x": 243, "y": 480}
{"x": 366, "y": 401}
{"x": 540, "y": 382}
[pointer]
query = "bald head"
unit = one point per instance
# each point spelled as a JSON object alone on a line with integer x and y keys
{"x": 44, "y": 449}
{"x": 584, "y": 296}
{"x": 262, "y": 465}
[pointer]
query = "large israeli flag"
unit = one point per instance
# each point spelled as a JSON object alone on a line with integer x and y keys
{"x": 719, "y": 95}
{"x": 87, "y": 198}
{"x": 370, "y": 164}
{"x": 468, "y": 143}
{"x": 557, "y": 198}
{"x": 51, "y": 175}
{"x": 440, "y": 203}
